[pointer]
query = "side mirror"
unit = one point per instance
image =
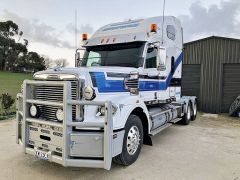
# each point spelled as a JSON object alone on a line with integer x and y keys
{"x": 162, "y": 55}
{"x": 78, "y": 59}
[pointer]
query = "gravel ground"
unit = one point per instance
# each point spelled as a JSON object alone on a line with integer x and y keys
{"x": 209, "y": 148}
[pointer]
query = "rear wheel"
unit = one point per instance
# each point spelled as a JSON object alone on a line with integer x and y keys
{"x": 187, "y": 115}
{"x": 132, "y": 142}
{"x": 194, "y": 111}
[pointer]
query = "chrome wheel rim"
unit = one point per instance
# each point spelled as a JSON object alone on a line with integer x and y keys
{"x": 133, "y": 140}
{"x": 189, "y": 112}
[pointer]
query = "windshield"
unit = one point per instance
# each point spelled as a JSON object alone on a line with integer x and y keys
{"x": 125, "y": 54}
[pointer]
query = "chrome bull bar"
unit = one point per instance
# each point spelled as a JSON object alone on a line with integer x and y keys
{"x": 23, "y": 121}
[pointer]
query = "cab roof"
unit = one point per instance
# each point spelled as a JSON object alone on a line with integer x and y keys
{"x": 129, "y": 31}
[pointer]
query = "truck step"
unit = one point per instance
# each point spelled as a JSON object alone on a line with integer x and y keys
{"x": 159, "y": 129}
{"x": 175, "y": 120}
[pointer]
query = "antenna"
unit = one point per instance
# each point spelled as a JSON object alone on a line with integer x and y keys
{"x": 76, "y": 29}
{"x": 163, "y": 18}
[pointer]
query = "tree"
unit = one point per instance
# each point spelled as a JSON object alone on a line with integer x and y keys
{"x": 61, "y": 62}
{"x": 8, "y": 30}
{"x": 34, "y": 62}
{"x": 47, "y": 61}
{"x": 10, "y": 50}
{"x": 14, "y": 56}
{"x": 18, "y": 52}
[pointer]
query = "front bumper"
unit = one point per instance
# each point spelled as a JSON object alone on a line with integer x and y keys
{"x": 61, "y": 143}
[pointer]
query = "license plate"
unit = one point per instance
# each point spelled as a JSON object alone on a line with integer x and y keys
{"x": 42, "y": 155}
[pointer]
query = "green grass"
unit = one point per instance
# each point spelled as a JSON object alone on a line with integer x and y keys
{"x": 11, "y": 83}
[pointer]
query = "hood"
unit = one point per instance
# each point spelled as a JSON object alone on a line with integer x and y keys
{"x": 81, "y": 72}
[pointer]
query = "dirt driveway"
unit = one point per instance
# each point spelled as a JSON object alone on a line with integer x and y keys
{"x": 208, "y": 148}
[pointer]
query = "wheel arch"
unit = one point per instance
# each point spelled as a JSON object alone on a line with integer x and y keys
{"x": 138, "y": 111}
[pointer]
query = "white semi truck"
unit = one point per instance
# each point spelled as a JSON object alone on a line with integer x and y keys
{"x": 125, "y": 88}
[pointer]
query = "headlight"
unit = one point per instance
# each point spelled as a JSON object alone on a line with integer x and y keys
{"x": 101, "y": 110}
{"x": 34, "y": 111}
{"x": 60, "y": 115}
{"x": 89, "y": 93}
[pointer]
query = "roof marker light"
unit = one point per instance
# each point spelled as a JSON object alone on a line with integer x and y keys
{"x": 154, "y": 28}
{"x": 84, "y": 36}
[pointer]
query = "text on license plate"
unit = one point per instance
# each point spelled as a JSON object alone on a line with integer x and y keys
{"x": 42, "y": 155}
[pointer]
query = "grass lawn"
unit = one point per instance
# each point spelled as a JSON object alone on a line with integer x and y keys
{"x": 11, "y": 83}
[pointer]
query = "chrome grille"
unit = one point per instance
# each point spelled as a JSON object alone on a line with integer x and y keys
{"x": 54, "y": 94}
{"x": 131, "y": 83}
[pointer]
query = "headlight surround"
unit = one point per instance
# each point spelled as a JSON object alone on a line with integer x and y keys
{"x": 60, "y": 115}
{"x": 89, "y": 93}
{"x": 34, "y": 111}
{"x": 101, "y": 110}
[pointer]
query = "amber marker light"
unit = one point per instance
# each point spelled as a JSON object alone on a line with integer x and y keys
{"x": 84, "y": 36}
{"x": 153, "y": 27}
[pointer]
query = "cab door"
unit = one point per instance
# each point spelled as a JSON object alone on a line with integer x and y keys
{"x": 155, "y": 74}
{"x": 149, "y": 80}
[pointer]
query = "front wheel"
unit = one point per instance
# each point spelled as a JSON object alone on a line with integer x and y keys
{"x": 132, "y": 142}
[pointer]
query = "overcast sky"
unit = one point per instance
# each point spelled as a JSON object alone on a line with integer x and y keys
{"x": 49, "y": 24}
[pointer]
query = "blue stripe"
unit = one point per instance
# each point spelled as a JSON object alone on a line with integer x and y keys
{"x": 106, "y": 86}
{"x": 178, "y": 61}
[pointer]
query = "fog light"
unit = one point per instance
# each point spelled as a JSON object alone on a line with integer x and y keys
{"x": 89, "y": 93}
{"x": 101, "y": 110}
{"x": 34, "y": 111}
{"x": 59, "y": 115}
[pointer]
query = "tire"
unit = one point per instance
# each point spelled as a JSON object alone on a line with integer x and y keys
{"x": 194, "y": 111}
{"x": 187, "y": 116}
{"x": 130, "y": 154}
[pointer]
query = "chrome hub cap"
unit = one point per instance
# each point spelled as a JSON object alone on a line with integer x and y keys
{"x": 133, "y": 140}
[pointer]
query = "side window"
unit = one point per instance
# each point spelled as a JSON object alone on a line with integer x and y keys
{"x": 94, "y": 59}
{"x": 151, "y": 58}
{"x": 171, "y": 32}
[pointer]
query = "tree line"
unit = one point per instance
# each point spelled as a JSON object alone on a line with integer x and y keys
{"x": 14, "y": 54}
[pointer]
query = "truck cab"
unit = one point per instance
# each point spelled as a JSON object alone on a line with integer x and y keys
{"x": 146, "y": 47}
{"x": 125, "y": 88}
